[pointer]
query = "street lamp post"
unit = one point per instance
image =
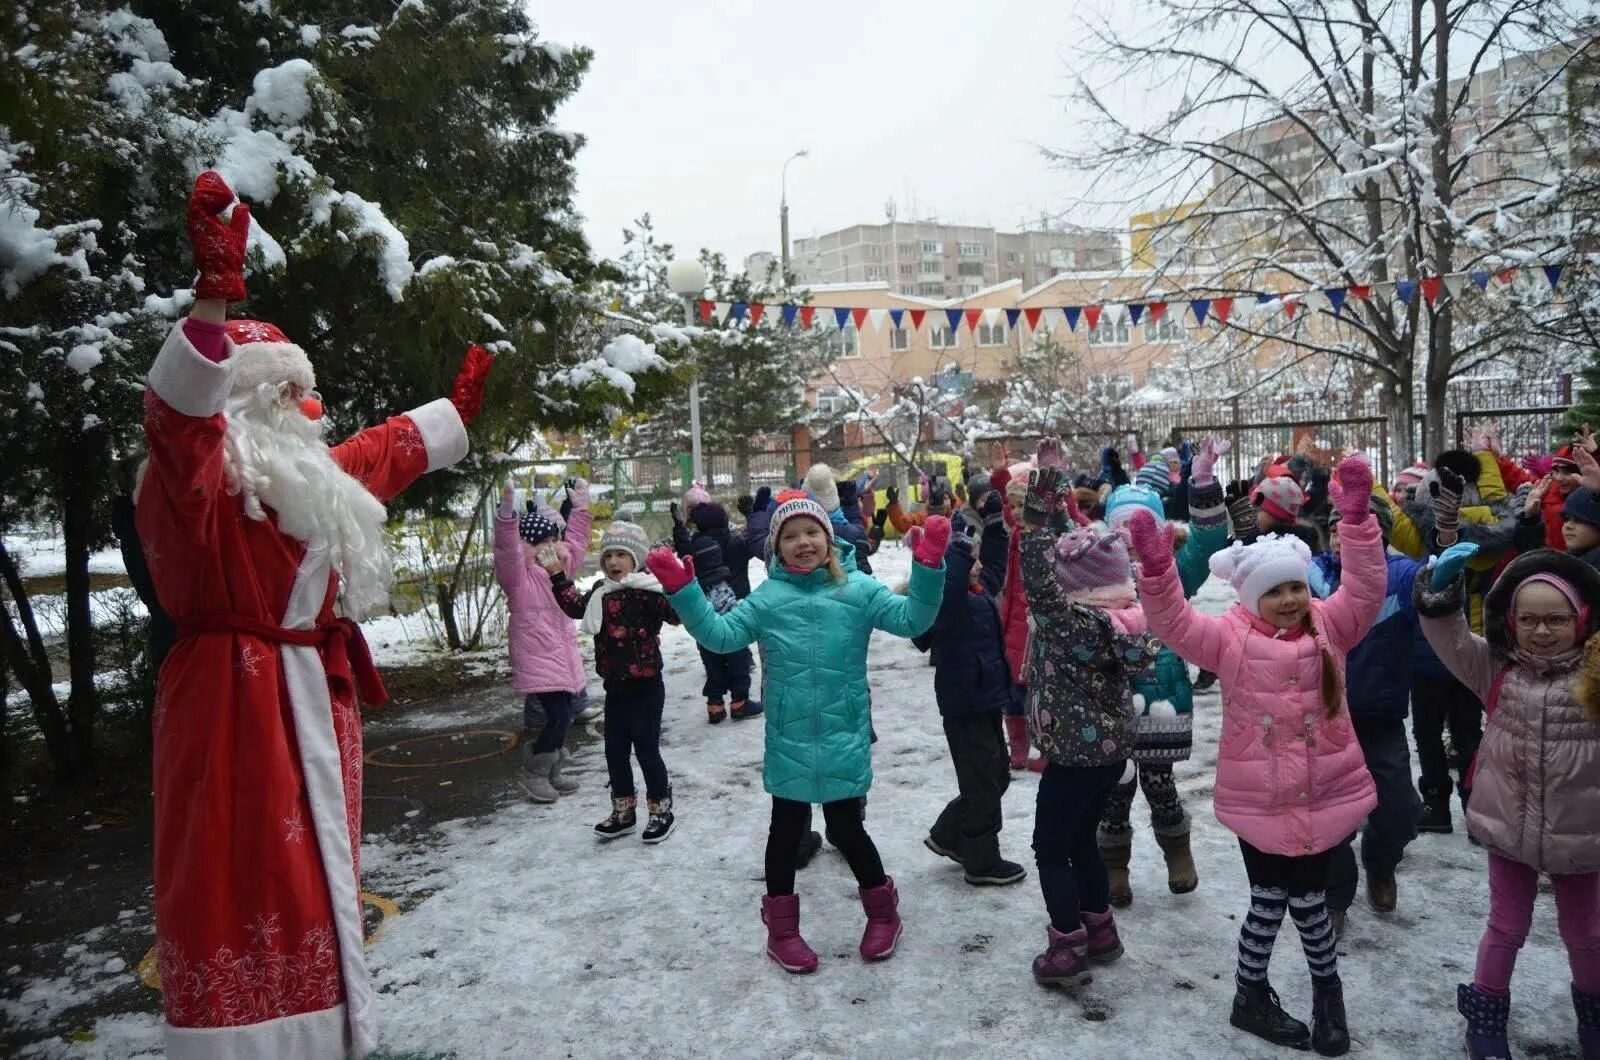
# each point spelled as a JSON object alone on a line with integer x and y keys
{"x": 783, "y": 207}
{"x": 687, "y": 278}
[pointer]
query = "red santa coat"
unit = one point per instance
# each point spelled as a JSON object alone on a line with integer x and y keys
{"x": 257, "y": 765}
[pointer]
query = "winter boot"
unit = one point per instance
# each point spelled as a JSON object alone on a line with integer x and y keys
{"x": 1587, "y": 1006}
{"x": 882, "y": 934}
{"x": 787, "y": 949}
{"x": 807, "y": 849}
{"x": 1061, "y": 964}
{"x": 1382, "y": 892}
{"x": 1337, "y": 917}
{"x": 1487, "y": 1015}
{"x": 622, "y": 820}
{"x": 586, "y": 710}
{"x": 1205, "y": 681}
{"x": 537, "y": 769}
{"x": 715, "y": 711}
{"x": 1181, "y": 874}
{"x": 740, "y": 709}
{"x": 1330, "y": 1033}
{"x": 980, "y": 857}
{"x": 1435, "y": 813}
{"x": 1257, "y": 1011}
{"x": 1115, "y": 851}
{"x": 940, "y": 849}
{"x": 1037, "y": 763}
{"x": 660, "y": 824}
{"x": 1017, "y": 736}
{"x": 1102, "y": 945}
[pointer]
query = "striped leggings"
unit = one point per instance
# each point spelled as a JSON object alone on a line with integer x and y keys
{"x": 1297, "y": 886}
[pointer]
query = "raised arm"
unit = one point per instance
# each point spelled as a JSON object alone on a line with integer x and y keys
{"x": 912, "y": 614}
{"x": 509, "y": 568}
{"x": 580, "y": 525}
{"x": 1208, "y": 535}
{"x": 1201, "y": 639}
{"x": 1364, "y": 577}
{"x": 1444, "y": 622}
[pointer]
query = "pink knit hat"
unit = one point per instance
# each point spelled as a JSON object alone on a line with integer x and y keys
{"x": 1086, "y": 561}
{"x": 697, "y": 495}
{"x": 1281, "y": 498}
{"x": 1409, "y": 476}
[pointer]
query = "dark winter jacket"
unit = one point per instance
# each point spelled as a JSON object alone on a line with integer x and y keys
{"x": 710, "y": 530}
{"x": 856, "y": 534}
{"x": 1378, "y": 670}
{"x": 628, "y": 646}
{"x": 971, "y": 675}
{"x": 1079, "y": 669}
{"x": 756, "y": 529}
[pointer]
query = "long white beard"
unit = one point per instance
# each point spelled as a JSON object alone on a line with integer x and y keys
{"x": 277, "y": 458}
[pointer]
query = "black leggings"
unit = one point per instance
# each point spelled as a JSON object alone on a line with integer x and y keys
{"x": 846, "y": 831}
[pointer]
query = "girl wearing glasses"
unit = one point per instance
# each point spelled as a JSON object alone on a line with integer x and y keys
{"x": 1536, "y": 788}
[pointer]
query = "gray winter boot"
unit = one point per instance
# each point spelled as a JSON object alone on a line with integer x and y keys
{"x": 537, "y": 769}
{"x": 559, "y": 780}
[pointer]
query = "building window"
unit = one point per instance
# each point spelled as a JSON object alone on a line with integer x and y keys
{"x": 933, "y": 268}
{"x": 930, "y": 290}
{"x": 908, "y": 272}
{"x": 991, "y": 334}
{"x": 941, "y": 338}
{"x": 931, "y": 247}
{"x": 874, "y": 251}
{"x": 899, "y": 339}
{"x": 832, "y": 401}
{"x": 1168, "y": 329}
{"x": 973, "y": 250}
{"x": 905, "y": 250}
{"x": 969, "y": 268}
{"x": 849, "y": 341}
{"x": 907, "y": 288}
{"x": 874, "y": 272}
{"x": 1041, "y": 257}
{"x": 1111, "y": 332}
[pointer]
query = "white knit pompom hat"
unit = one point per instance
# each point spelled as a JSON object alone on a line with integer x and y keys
{"x": 1255, "y": 568}
{"x": 820, "y": 484}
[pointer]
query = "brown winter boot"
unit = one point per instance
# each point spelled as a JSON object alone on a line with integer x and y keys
{"x": 1181, "y": 874}
{"x": 1115, "y": 852}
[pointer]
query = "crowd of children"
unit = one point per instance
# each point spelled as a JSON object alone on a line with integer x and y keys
{"x": 1055, "y": 609}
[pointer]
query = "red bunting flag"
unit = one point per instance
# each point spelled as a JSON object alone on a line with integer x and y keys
{"x": 706, "y": 309}
{"x": 972, "y": 316}
{"x": 1091, "y": 314}
{"x": 916, "y": 318}
{"x": 1156, "y": 311}
{"x": 1430, "y": 288}
{"x": 1362, "y": 291}
{"x": 1032, "y": 317}
{"x": 756, "y": 309}
{"x": 806, "y": 313}
{"x": 1220, "y": 308}
{"x": 858, "y": 315}
{"x": 1506, "y": 276}
{"x": 1289, "y": 306}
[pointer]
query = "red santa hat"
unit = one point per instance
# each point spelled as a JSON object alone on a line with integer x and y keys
{"x": 263, "y": 354}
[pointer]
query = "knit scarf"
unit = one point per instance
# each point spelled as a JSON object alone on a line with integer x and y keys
{"x": 594, "y": 614}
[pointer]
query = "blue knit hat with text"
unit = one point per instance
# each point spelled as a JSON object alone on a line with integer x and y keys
{"x": 1125, "y": 500}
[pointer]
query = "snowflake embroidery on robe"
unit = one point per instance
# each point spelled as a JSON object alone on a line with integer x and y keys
{"x": 250, "y": 660}
{"x": 255, "y": 331}
{"x": 232, "y": 989}
{"x": 407, "y": 438}
{"x": 264, "y": 930}
{"x": 294, "y": 828}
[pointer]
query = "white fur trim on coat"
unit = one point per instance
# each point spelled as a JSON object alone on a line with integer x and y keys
{"x": 443, "y": 433}
{"x": 187, "y": 380}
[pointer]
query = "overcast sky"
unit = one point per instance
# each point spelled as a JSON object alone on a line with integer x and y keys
{"x": 690, "y": 109}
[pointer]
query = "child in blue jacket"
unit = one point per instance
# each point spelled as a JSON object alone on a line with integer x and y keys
{"x": 1378, "y": 677}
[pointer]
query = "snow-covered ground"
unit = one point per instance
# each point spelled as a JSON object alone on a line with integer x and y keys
{"x": 522, "y": 936}
{"x": 43, "y": 554}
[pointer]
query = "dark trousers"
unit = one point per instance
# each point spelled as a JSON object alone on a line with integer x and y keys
{"x": 1392, "y": 823}
{"x": 726, "y": 674}
{"x": 633, "y": 725}
{"x": 970, "y": 823}
{"x": 791, "y": 819}
{"x": 1071, "y": 873}
{"x": 1019, "y": 699}
{"x": 1438, "y": 703}
{"x": 550, "y": 715}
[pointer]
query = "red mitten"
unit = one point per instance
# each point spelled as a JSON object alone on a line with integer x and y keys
{"x": 1070, "y": 500}
{"x": 218, "y": 248}
{"x": 673, "y": 573}
{"x": 930, "y": 544}
{"x": 1151, "y": 543}
{"x": 1354, "y": 499}
{"x": 467, "y": 394}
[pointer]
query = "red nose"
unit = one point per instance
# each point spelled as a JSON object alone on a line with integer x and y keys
{"x": 311, "y": 408}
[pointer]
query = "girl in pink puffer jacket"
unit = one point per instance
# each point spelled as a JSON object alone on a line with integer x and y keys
{"x": 1291, "y": 778}
{"x": 542, "y": 640}
{"x": 1535, "y": 802}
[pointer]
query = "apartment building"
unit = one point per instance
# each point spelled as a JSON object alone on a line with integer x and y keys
{"x": 924, "y": 259}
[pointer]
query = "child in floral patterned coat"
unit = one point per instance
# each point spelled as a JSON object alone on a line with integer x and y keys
{"x": 1080, "y": 716}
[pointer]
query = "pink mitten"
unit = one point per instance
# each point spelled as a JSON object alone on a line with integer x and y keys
{"x": 673, "y": 573}
{"x": 1203, "y": 472}
{"x": 1354, "y": 499}
{"x": 1049, "y": 454}
{"x": 929, "y": 547}
{"x": 1152, "y": 543}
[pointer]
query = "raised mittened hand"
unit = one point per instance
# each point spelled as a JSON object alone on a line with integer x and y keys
{"x": 928, "y": 548}
{"x": 892, "y": 495}
{"x": 467, "y": 393}
{"x": 219, "y": 249}
{"x": 1041, "y": 499}
{"x": 763, "y": 498}
{"x": 673, "y": 573}
{"x": 1203, "y": 471}
{"x": 1049, "y": 454}
{"x": 1152, "y": 542}
{"x": 578, "y": 491}
{"x": 1354, "y": 497}
{"x": 1445, "y": 498}
{"x": 1448, "y": 566}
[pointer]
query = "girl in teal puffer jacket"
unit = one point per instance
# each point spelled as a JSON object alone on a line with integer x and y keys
{"x": 814, "y": 616}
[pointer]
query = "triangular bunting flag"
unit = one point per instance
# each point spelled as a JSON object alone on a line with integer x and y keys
{"x": 756, "y": 309}
{"x": 1031, "y": 315}
{"x": 1430, "y": 288}
{"x": 1481, "y": 279}
{"x": 841, "y": 314}
{"x": 706, "y": 307}
{"x": 916, "y": 318}
{"x": 858, "y": 316}
{"x": 1362, "y": 291}
{"x": 1135, "y": 312}
{"x": 877, "y": 317}
{"x": 1157, "y": 311}
{"x": 806, "y": 313}
{"x": 1506, "y": 276}
{"x": 1382, "y": 291}
{"x": 1406, "y": 289}
{"x": 973, "y": 315}
{"x": 736, "y": 311}
{"x": 720, "y": 311}
{"x": 1335, "y": 297}
{"x": 1553, "y": 274}
{"x": 1221, "y": 308}
{"x": 1454, "y": 284}
{"x": 1011, "y": 318}
{"x": 789, "y": 311}
{"x": 1290, "y": 305}
{"x": 1200, "y": 307}
{"x": 1091, "y": 316}
{"x": 953, "y": 318}
{"x": 1263, "y": 297}
{"x": 895, "y": 315}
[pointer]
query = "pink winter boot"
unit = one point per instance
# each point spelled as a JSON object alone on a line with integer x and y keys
{"x": 883, "y": 921}
{"x": 1101, "y": 942}
{"x": 1061, "y": 964}
{"x": 781, "y": 914}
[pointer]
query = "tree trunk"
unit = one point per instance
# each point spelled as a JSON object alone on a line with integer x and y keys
{"x": 1441, "y": 351}
{"x": 741, "y": 465}
{"x": 77, "y": 526}
{"x": 25, "y": 654}
{"x": 447, "y": 615}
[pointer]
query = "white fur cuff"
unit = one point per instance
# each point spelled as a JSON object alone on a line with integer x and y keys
{"x": 186, "y": 380}
{"x": 443, "y": 433}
